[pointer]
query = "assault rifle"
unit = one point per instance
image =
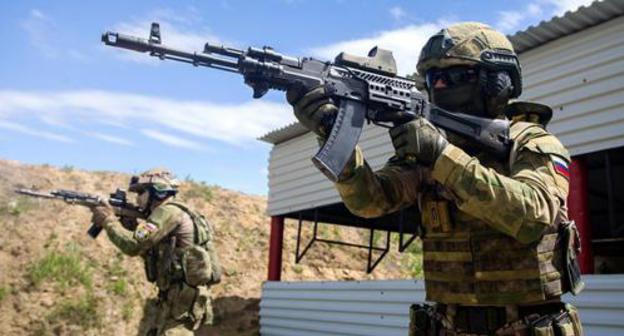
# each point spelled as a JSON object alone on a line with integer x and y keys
{"x": 364, "y": 88}
{"x": 118, "y": 200}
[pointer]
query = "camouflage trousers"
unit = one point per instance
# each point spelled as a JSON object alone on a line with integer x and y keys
{"x": 451, "y": 320}
{"x": 177, "y": 312}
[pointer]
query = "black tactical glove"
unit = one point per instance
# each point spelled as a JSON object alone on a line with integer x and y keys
{"x": 419, "y": 139}
{"x": 314, "y": 109}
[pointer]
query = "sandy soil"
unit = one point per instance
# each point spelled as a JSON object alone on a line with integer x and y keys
{"x": 33, "y": 229}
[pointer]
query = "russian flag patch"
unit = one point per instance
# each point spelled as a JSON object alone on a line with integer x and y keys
{"x": 561, "y": 167}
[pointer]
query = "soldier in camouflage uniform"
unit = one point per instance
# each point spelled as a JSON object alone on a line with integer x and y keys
{"x": 493, "y": 257}
{"x": 177, "y": 246}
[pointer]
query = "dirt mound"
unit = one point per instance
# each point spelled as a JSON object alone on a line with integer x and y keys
{"x": 55, "y": 280}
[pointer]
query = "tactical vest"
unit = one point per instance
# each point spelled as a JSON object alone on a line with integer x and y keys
{"x": 199, "y": 261}
{"x": 468, "y": 262}
{"x": 196, "y": 264}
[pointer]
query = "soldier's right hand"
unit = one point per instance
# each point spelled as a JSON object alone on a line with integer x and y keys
{"x": 315, "y": 109}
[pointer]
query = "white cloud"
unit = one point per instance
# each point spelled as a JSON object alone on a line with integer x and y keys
{"x": 183, "y": 31}
{"x": 562, "y": 6}
{"x": 171, "y": 139}
{"x": 511, "y": 21}
{"x": 43, "y": 35}
{"x": 39, "y": 28}
{"x": 34, "y": 132}
{"x": 405, "y": 43}
{"x": 110, "y": 138}
{"x": 397, "y": 13}
{"x": 232, "y": 123}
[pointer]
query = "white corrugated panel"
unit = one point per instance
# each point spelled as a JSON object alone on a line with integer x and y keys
{"x": 338, "y": 307}
{"x": 371, "y": 308}
{"x": 295, "y": 183}
{"x": 582, "y": 77}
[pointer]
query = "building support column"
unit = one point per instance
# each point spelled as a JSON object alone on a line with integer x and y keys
{"x": 578, "y": 210}
{"x": 276, "y": 243}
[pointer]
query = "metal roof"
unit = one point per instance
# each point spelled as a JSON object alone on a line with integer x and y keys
{"x": 532, "y": 37}
{"x": 284, "y": 133}
{"x": 571, "y": 22}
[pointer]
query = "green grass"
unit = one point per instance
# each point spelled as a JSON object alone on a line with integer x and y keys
{"x": 199, "y": 190}
{"x": 118, "y": 287}
{"x": 413, "y": 258}
{"x": 127, "y": 310}
{"x": 3, "y": 293}
{"x": 66, "y": 268}
{"x": 81, "y": 312}
{"x": 19, "y": 205}
{"x": 117, "y": 269}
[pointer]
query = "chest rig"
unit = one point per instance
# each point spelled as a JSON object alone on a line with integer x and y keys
{"x": 468, "y": 262}
{"x": 187, "y": 254}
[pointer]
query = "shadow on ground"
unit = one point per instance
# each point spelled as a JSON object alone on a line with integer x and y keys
{"x": 234, "y": 315}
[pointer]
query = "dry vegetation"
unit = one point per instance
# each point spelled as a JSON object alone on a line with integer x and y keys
{"x": 55, "y": 280}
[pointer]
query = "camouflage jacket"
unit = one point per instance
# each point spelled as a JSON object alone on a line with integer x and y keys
{"x": 167, "y": 230}
{"x": 490, "y": 225}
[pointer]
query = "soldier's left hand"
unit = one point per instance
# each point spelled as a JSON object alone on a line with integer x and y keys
{"x": 419, "y": 139}
{"x": 102, "y": 214}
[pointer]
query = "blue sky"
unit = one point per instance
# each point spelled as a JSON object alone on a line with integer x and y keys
{"x": 65, "y": 99}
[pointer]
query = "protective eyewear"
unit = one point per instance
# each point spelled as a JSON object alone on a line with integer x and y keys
{"x": 445, "y": 78}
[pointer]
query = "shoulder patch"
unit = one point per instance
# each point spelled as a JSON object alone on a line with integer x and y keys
{"x": 561, "y": 166}
{"x": 144, "y": 231}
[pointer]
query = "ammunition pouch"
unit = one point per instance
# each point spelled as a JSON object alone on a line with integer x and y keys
{"x": 151, "y": 265}
{"x": 570, "y": 245}
{"x": 556, "y": 319}
{"x": 564, "y": 322}
{"x": 197, "y": 266}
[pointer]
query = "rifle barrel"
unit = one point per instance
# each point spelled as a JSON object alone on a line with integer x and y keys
{"x": 164, "y": 52}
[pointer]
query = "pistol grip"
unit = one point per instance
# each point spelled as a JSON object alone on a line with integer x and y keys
{"x": 333, "y": 156}
{"x": 94, "y": 231}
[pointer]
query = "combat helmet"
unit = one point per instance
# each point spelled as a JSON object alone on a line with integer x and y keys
{"x": 471, "y": 43}
{"x": 160, "y": 182}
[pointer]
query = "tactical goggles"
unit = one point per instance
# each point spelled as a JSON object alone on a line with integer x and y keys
{"x": 451, "y": 77}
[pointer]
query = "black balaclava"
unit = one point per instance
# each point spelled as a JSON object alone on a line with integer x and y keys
{"x": 486, "y": 96}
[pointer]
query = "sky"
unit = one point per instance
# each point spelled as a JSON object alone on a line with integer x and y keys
{"x": 68, "y": 100}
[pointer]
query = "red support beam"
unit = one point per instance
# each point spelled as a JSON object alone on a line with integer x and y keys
{"x": 578, "y": 210}
{"x": 275, "y": 248}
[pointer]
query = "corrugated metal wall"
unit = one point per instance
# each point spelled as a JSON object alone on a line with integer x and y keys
{"x": 581, "y": 76}
{"x": 294, "y": 182}
{"x": 373, "y": 308}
